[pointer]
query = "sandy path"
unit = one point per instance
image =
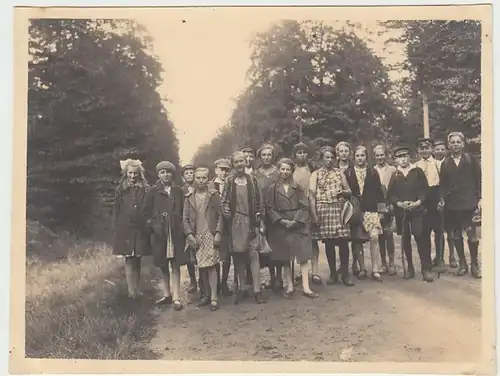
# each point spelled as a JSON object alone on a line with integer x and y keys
{"x": 396, "y": 320}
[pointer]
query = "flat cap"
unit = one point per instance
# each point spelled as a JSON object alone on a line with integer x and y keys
{"x": 299, "y": 147}
{"x": 188, "y": 167}
{"x": 439, "y": 142}
{"x": 223, "y": 163}
{"x": 424, "y": 140}
{"x": 401, "y": 150}
{"x": 247, "y": 150}
{"x": 165, "y": 165}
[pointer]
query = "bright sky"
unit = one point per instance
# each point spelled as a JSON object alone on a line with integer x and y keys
{"x": 205, "y": 63}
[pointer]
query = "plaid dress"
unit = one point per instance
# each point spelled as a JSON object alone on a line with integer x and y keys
{"x": 329, "y": 206}
{"x": 206, "y": 255}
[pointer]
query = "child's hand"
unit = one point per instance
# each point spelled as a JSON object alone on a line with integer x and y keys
{"x": 192, "y": 241}
{"x": 217, "y": 240}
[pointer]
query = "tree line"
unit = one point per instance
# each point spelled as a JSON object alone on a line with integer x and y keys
{"x": 322, "y": 83}
{"x": 93, "y": 100}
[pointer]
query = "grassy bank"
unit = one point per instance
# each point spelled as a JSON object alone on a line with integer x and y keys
{"x": 77, "y": 305}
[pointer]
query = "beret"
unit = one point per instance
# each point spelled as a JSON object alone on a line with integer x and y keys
{"x": 165, "y": 165}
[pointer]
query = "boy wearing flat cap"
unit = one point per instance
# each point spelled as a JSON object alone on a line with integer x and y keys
{"x": 222, "y": 168}
{"x": 432, "y": 217}
{"x": 407, "y": 192}
{"x": 249, "y": 160}
{"x": 163, "y": 207}
{"x": 461, "y": 200}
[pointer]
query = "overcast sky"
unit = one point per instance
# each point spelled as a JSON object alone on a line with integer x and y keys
{"x": 205, "y": 62}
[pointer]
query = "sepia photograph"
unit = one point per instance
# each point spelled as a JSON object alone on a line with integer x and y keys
{"x": 299, "y": 187}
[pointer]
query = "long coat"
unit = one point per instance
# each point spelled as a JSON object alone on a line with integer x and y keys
{"x": 164, "y": 211}
{"x": 225, "y": 244}
{"x": 213, "y": 214}
{"x": 292, "y": 205}
{"x": 130, "y": 235}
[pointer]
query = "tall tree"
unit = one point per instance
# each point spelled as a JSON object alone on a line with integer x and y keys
{"x": 92, "y": 101}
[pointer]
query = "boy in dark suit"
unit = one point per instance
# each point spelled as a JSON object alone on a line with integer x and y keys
{"x": 460, "y": 199}
{"x": 407, "y": 192}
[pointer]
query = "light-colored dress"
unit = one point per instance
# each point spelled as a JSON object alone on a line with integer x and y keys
{"x": 206, "y": 255}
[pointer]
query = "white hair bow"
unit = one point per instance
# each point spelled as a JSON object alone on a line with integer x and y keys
{"x": 124, "y": 164}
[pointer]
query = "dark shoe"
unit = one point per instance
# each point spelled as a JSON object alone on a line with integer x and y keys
{"x": 410, "y": 273}
{"x": 376, "y": 277}
{"x": 288, "y": 294}
{"x": 475, "y": 271}
{"x": 164, "y": 301}
{"x": 347, "y": 281}
{"x": 310, "y": 295}
{"x": 298, "y": 278}
{"x": 391, "y": 270}
{"x": 204, "y": 302}
{"x": 192, "y": 288}
{"x": 225, "y": 290}
{"x": 333, "y": 280}
{"x": 440, "y": 267}
{"x": 427, "y": 276}
{"x": 453, "y": 262}
{"x": 259, "y": 299}
{"x": 214, "y": 305}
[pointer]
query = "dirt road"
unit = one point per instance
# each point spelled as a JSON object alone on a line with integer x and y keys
{"x": 396, "y": 320}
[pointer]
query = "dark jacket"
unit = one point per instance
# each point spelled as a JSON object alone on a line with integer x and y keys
{"x": 372, "y": 191}
{"x": 413, "y": 187}
{"x": 213, "y": 213}
{"x": 163, "y": 212}
{"x": 130, "y": 232}
{"x": 460, "y": 186}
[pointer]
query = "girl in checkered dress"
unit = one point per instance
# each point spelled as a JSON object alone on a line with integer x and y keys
{"x": 202, "y": 225}
{"x": 328, "y": 188}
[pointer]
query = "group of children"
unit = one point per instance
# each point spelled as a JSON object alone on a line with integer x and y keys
{"x": 275, "y": 214}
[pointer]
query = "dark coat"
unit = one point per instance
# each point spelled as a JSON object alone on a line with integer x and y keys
{"x": 225, "y": 246}
{"x": 413, "y": 187}
{"x": 292, "y": 205}
{"x": 130, "y": 235}
{"x": 164, "y": 211}
{"x": 460, "y": 186}
{"x": 373, "y": 193}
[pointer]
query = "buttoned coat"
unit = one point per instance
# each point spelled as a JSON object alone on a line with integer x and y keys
{"x": 130, "y": 232}
{"x": 163, "y": 212}
{"x": 291, "y": 205}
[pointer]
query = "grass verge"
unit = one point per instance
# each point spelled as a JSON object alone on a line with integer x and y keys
{"x": 77, "y": 307}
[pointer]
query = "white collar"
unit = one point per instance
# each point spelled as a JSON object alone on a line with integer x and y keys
{"x": 411, "y": 166}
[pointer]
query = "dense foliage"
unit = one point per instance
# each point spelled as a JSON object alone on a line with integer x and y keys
{"x": 92, "y": 101}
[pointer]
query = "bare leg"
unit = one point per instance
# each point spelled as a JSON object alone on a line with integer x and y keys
{"x": 255, "y": 267}
{"x": 176, "y": 281}
{"x": 375, "y": 256}
{"x": 212, "y": 277}
{"x": 165, "y": 278}
{"x": 305, "y": 280}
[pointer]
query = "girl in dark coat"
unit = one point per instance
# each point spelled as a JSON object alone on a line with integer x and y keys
{"x": 366, "y": 187}
{"x": 287, "y": 208}
{"x": 131, "y": 238}
{"x": 163, "y": 208}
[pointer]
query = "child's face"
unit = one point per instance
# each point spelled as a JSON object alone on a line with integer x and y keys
{"x": 165, "y": 176}
{"x": 239, "y": 163}
{"x": 201, "y": 179}
{"x": 328, "y": 159}
{"x": 249, "y": 158}
{"x": 301, "y": 156}
{"x": 440, "y": 151}
{"x": 343, "y": 153}
{"x": 456, "y": 144}
{"x": 380, "y": 156}
{"x": 267, "y": 156}
{"x": 285, "y": 171}
{"x": 222, "y": 172}
{"x": 188, "y": 176}
{"x": 133, "y": 174}
{"x": 425, "y": 150}
{"x": 403, "y": 160}
{"x": 360, "y": 157}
